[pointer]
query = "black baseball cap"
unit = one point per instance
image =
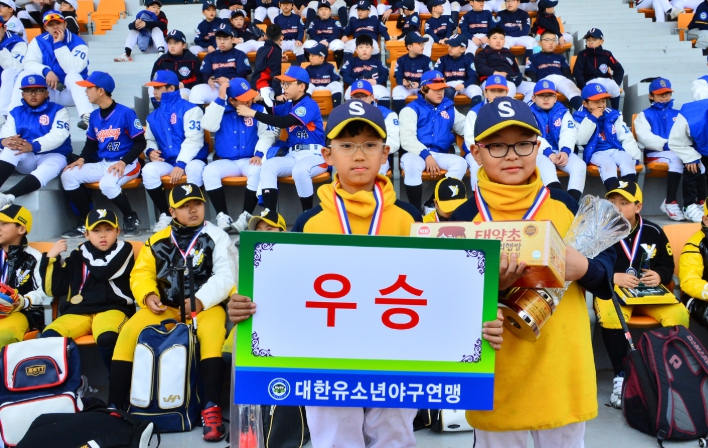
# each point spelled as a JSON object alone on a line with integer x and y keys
{"x": 100, "y": 215}
{"x": 629, "y": 190}
{"x": 177, "y": 35}
{"x": 184, "y": 193}
{"x": 408, "y": 5}
{"x": 17, "y": 214}
{"x": 238, "y": 12}
{"x": 324, "y": 4}
{"x": 363, "y": 4}
{"x": 594, "y": 32}
{"x": 450, "y": 194}
{"x": 544, "y": 4}
{"x": 414, "y": 37}
{"x": 502, "y": 113}
{"x": 273, "y": 218}
{"x": 355, "y": 110}
{"x": 153, "y": 2}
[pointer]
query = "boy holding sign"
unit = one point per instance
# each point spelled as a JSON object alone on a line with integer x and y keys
{"x": 557, "y": 372}
{"x": 356, "y": 135}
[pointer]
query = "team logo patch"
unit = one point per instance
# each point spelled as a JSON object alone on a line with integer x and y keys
{"x": 35, "y": 370}
{"x": 557, "y": 122}
{"x": 173, "y": 118}
{"x": 101, "y": 212}
{"x": 137, "y": 124}
{"x": 198, "y": 258}
{"x": 111, "y": 132}
{"x": 623, "y": 184}
{"x": 300, "y": 111}
{"x": 497, "y": 80}
{"x": 246, "y": 61}
{"x": 445, "y": 115}
{"x": 187, "y": 189}
{"x": 662, "y": 83}
{"x": 703, "y": 16}
{"x": 279, "y": 389}
{"x": 511, "y": 62}
{"x": 44, "y": 119}
{"x": 598, "y": 87}
{"x": 31, "y": 80}
{"x": 545, "y": 85}
{"x": 603, "y": 68}
{"x": 184, "y": 71}
{"x": 455, "y": 190}
{"x": 244, "y": 86}
{"x": 22, "y": 276}
{"x": 248, "y": 121}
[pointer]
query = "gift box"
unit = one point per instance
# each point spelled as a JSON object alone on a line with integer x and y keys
{"x": 537, "y": 243}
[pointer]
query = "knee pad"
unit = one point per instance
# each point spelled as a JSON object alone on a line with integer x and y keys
{"x": 107, "y": 339}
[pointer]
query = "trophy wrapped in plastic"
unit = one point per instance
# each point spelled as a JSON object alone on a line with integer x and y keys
{"x": 246, "y": 420}
{"x": 597, "y": 226}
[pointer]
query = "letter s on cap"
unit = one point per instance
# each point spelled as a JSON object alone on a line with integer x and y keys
{"x": 506, "y": 110}
{"x": 356, "y": 108}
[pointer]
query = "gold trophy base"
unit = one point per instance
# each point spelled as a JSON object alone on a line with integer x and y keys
{"x": 525, "y": 311}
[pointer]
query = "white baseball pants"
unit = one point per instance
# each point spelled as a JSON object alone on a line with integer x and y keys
{"x": 219, "y": 169}
{"x": 98, "y": 172}
{"x": 471, "y": 47}
{"x": 563, "y": 85}
{"x": 568, "y": 436}
{"x": 576, "y": 169}
{"x": 335, "y": 45}
{"x": 360, "y": 428}
{"x": 250, "y": 45}
{"x": 7, "y": 83}
{"x": 524, "y": 41}
{"x": 44, "y": 167}
{"x": 670, "y": 158}
{"x": 608, "y": 161}
{"x": 260, "y": 13}
{"x": 401, "y": 93}
{"x": 334, "y": 87}
{"x": 414, "y": 166}
{"x": 152, "y": 171}
{"x": 301, "y": 165}
{"x": 469, "y": 91}
{"x": 158, "y": 40}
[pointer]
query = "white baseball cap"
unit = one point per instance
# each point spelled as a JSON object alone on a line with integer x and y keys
{"x": 74, "y": 4}
{"x": 9, "y": 3}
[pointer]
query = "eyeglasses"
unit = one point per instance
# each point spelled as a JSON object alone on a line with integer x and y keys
{"x": 500, "y": 150}
{"x": 549, "y": 39}
{"x": 33, "y": 92}
{"x": 368, "y": 148}
{"x": 285, "y": 85}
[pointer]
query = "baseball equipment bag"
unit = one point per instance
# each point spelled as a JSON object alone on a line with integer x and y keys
{"x": 664, "y": 392}
{"x": 39, "y": 376}
{"x": 165, "y": 386}
{"x": 285, "y": 427}
{"x": 441, "y": 420}
{"x": 100, "y": 428}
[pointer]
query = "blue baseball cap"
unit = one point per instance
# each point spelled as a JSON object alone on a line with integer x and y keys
{"x": 594, "y": 32}
{"x": 294, "y": 73}
{"x": 660, "y": 85}
{"x": 164, "y": 78}
{"x": 544, "y": 86}
{"x": 363, "y": 4}
{"x": 457, "y": 40}
{"x": 414, "y": 37}
{"x": 33, "y": 81}
{"x": 318, "y": 50}
{"x": 99, "y": 79}
{"x": 240, "y": 90}
{"x": 496, "y": 82}
{"x": 362, "y": 86}
{"x": 502, "y": 113}
{"x": 208, "y": 4}
{"x": 225, "y": 28}
{"x": 355, "y": 110}
{"x": 594, "y": 92}
{"x": 433, "y": 79}
{"x": 177, "y": 35}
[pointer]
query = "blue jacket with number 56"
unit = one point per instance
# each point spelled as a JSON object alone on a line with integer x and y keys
{"x": 46, "y": 127}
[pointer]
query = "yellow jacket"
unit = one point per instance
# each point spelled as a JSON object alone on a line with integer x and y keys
{"x": 691, "y": 268}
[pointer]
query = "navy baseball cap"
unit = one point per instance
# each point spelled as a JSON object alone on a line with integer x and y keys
{"x": 225, "y": 28}
{"x": 240, "y": 90}
{"x": 33, "y": 81}
{"x": 163, "y": 78}
{"x": 294, "y": 73}
{"x": 287, "y": 1}
{"x": 355, "y": 110}
{"x": 457, "y": 40}
{"x": 594, "y": 92}
{"x": 594, "y": 32}
{"x": 543, "y": 4}
{"x": 414, "y": 37}
{"x": 177, "y": 35}
{"x": 544, "y": 86}
{"x": 502, "y": 113}
{"x": 153, "y": 2}
{"x": 99, "y": 79}
{"x": 324, "y": 4}
{"x": 433, "y": 79}
{"x": 660, "y": 85}
{"x": 408, "y": 5}
{"x": 432, "y": 3}
{"x": 496, "y": 82}
{"x": 238, "y": 12}
{"x": 318, "y": 50}
{"x": 363, "y": 4}
{"x": 208, "y": 4}
{"x": 362, "y": 86}
{"x": 52, "y": 15}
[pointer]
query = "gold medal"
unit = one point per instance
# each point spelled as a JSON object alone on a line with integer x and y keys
{"x": 78, "y": 298}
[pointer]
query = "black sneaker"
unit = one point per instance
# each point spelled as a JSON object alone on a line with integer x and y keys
{"x": 84, "y": 122}
{"x": 131, "y": 224}
{"x": 75, "y": 232}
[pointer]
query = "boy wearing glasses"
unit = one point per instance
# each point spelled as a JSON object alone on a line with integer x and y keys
{"x": 302, "y": 118}
{"x": 548, "y": 66}
{"x": 475, "y": 25}
{"x": 427, "y": 126}
{"x": 510, "y": 188}
{"x": 606, "y": 140}
{"x": 35, "y": 140}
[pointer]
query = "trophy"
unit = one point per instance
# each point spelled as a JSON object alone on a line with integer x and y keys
{"x": 597, "y": 226}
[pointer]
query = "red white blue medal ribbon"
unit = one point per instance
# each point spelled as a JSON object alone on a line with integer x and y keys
{"x": 85, "y": 275}
{"x": 635, "y": 246}
{"x": 530, "y": 214}
{"x": 190, "y": 247}
{"x": 5, "y": 268}
{"x": 375, "y": 225}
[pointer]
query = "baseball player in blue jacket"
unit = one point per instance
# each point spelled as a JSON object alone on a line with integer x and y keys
{"x": 475, "y": 25}
{"x": 409, "y": 70}
{"x": 427, "y": 125}
{"x": 363, "y": 24}
{"x": 363, "y": 66}
{"x": 517, "y": 25}
{"x": 115, "y": 138}
{"x": 240, "y": 144}
{"x": 597, "y": 65}
{"x": 175, "y": 143}
{"x": 323, "y": 75}
{"x": 35, "y": 140}
{"x": 293, "y": 30}
{"x": 62, "y": 58}
{"x": 220, "y": 66}
{"x": 266, "y": 7}
{"x": 302, "y": 118}
{"x": 205, "y": 34}
{"x": 12, "y": 54}
{"x": 457, "y": 67}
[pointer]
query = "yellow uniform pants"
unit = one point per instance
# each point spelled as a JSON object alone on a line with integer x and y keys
{"x": 229, "y": 342}
{"x": 76, "y": 325}
{"x": 667, "y": 315}
{"x": 211, "y": 331}
{"x": 13, "y": 328}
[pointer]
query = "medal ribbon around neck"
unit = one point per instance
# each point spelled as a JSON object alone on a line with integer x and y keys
{"x": 5, "y": 268}
{"x": 375, "y": 225}
{"x": 635, "y": 246}
{"x": 85, "y": 276}
{"x": 191, "y": 244}
{"x": 530, "y": 214}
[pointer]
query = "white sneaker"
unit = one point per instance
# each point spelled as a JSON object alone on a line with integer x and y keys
{"x": 123, "y": 58}
{"x": 616, "y": 395}
{"x": 6, "y": 199}
{"x": 224, "y": 221}
{"x": 162, "y": 223}
{"x": 241, "y": 223}
{"x": 676, "y": 11}
{"x": 672, "y": 210}
{"x": 693, "y": 212}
